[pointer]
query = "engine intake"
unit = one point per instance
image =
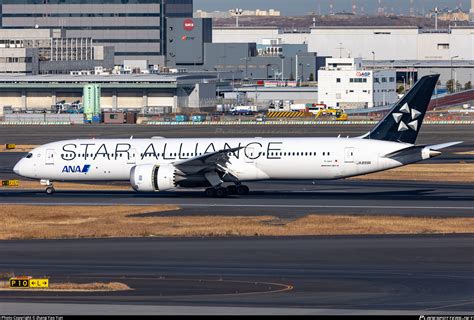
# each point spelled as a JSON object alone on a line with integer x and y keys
{"x": 153, "y": 178}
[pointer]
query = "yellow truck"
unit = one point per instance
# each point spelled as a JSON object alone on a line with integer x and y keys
{"x": 338, "y": 114}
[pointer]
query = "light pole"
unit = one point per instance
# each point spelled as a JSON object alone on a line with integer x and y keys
{"x": 302, "y": 76}
{"x": 236, "y": 12}
{"x": 373, "y": 60}
{"x": 246, "y": 65}
{"x": 268, "y": 65}
{"x": 404, "y": 85}
{"x": 302, "y": 71}
{"x": 282, "y": 68}
{"x": 412, "y": 74}
{"x": 436, "y": 91}
{"x": 452, "y": 83}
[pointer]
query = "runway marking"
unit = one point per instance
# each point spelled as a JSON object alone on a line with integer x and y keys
{"x": 234, "y": 205}
{"x": 451, "y": 305}
{"x": 281, "y": 287}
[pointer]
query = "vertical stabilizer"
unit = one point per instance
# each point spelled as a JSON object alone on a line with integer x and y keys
{"x": 404, "y": 120}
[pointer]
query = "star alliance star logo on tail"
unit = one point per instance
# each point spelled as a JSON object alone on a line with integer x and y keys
{"x": 76, "y": 169}
{"x": 405, "y": 109}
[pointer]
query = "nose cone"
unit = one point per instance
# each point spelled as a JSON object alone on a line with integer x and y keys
{"x": 16, "y": 169}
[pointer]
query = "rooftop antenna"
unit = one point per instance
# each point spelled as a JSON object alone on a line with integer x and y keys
{"x": 380, "y": 9}
{"x": 436, "y": 18}
{"x": 340, "y": 49}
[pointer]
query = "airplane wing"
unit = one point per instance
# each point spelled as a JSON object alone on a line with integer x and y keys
{"x": 208, "y": 162}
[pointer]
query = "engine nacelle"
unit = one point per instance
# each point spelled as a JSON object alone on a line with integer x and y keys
{"x": 149, "y": 177}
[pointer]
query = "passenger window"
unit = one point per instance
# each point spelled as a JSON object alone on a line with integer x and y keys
{"x": 29, "y": 155}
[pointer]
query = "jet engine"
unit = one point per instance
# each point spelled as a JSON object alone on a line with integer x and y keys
{"x": 150, "y": 178}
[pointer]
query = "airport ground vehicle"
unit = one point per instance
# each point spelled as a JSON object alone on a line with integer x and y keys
{"x": 241, "y": 110}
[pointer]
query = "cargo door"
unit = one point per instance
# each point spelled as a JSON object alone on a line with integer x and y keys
{"x": 50, "y": 156}
{"x": 349, "y": 155}
{"x": 132, "y": 156}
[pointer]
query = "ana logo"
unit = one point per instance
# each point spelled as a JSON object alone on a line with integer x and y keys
{"x": 362, "y": 74}
{"x": 76, "y": 169}
{"x": 188, "y": 25}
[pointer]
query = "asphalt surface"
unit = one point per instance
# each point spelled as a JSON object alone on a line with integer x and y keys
{"x": 311, "y": 275}
{"x": 429, "y": 134}
{"x": 383, "y": 274}
{"x": 288, "y": 199}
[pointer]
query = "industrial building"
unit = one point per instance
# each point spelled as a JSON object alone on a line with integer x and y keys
{"x": 404, "y": 47}
{"x": 190, "y": 46}
{"x": 345, "y": 83}
{"x": 48, "y": 51}
{"x": 387, "y": 43}
{"x": 174, "y": 92}
{"x": 135, "y": 28}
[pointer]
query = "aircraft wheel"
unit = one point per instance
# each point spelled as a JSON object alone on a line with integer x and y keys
{"x": 241, "y": 190}
{"x": 222, "y": 192}
{"x": 50, "y": 190}
{"x": 232, "y": 189}
{"x": 210, "y": 192}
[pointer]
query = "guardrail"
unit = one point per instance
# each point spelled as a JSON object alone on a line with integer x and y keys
{"x": 34, "y": 123}
{"x": 248, "y": 122}
{"x": 233, "y": 123}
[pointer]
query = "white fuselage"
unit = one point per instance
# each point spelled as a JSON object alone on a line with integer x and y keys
{"x": 259, "y": 159}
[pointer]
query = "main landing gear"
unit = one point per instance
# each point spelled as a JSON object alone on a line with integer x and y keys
{"x": 222, "y": 192}
{"x": 49, "y": 186}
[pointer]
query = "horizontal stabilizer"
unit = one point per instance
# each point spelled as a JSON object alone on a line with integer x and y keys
{"x": 431, "y": 151}
{"x": 444, "y": 145}
{"x": 404, "y": 151}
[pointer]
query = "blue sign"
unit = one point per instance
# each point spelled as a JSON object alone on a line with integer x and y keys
{"x": 76, "y": 169}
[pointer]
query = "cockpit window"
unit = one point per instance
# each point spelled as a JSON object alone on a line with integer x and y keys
{"x": 29, "y": 155}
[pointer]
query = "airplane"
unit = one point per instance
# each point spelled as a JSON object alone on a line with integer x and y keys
{"x": 160, "y": 164}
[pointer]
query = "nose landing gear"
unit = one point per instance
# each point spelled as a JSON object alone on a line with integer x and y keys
{"x": 49, "y": 186}
{"x": 50, "y": 190}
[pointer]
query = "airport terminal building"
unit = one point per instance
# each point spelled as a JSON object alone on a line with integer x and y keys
{"x": 156, "y": 93}
{"x": 134, "y": 28}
